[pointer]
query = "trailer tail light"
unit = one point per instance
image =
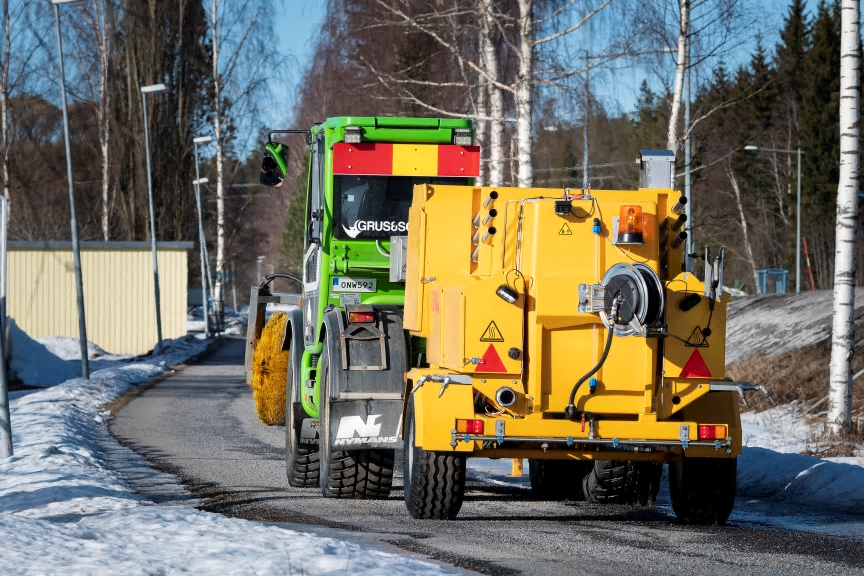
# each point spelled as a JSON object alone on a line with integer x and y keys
{"x": 469, "y": 426}
{"x": 361, "y": 317}
{"x": 712, "y": 431}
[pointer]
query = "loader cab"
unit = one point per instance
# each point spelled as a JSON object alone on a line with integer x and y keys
{"x": 376, "y": 207}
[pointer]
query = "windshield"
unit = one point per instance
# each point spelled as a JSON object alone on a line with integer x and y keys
{"x": 370, "y": 207}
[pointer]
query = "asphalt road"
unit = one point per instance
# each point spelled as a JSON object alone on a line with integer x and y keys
{"x": 200, "y": 425}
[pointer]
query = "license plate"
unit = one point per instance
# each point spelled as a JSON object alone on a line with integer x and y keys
{"x": 344, "y": 284}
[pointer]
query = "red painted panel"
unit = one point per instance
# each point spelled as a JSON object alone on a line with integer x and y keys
{"x": 363, "y": 158}
{"x": 458, "y": 160}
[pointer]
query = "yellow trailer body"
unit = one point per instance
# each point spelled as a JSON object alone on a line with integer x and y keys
{"x": 655, "y": 395}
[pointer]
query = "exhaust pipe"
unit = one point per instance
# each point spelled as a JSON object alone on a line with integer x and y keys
{"x": 505, "y": 397}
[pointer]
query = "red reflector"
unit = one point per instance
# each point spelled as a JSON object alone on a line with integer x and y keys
{"x": 363, "y": 158}
{"x": 469, "y": 426}
{"x": 695, "y": 367}
{"x": 458, "y": 161}
{"x": 711, "y": 432}
{"x": 360, "y": 317}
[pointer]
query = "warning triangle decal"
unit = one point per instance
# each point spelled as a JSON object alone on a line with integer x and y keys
{"x": 492, "y": 333}
{"x": 695, "y": 367}
{"x": 565, "y": 230}
{"x": 491, "y": 362}
{"x": 697, "y": 339}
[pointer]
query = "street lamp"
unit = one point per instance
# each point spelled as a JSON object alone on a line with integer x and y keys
{"x": 76, "y": 248}
{"x": 799, "y": 153}
{"x": 198, "y": 181}
{"x": 144, "y": 91}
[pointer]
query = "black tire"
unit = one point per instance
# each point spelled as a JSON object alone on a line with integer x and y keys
{"x": 703, "y": 489}
{"x": 434, "y": 481}
{"x": 623, "y": 482}
{"x": 301, "y": 463}
{"x": 366, "y": 474}
{"x": 558, "y": 479}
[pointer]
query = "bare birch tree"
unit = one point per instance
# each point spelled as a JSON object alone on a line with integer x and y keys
{"x": 242, "y": 65}
{"x": 522, "y": 39}
{"x": 843, "y": 327}
{"x": 104, "y": 29}
{"x": 5, "y": 132}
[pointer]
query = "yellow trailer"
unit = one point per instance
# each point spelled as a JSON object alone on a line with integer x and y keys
{"x": 563, "y": 327}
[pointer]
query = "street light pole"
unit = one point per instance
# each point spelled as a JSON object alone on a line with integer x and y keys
{"x": 76, "y": 248}
{"x": 799, "y": 153}
{"x": 144, "y": 91}
{"x": 203, "y": 249}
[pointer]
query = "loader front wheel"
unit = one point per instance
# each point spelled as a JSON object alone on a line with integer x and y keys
{"x": 623, "y": 482}
{"x": 703, "y": 489}
{"x": 434, "y": 481}
{"x": 558, "y": 479}
{"x": 301, "y": 463}
{"x": 362, "y": 474}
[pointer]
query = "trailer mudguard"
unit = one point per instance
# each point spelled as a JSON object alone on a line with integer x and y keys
{"x": 367, "y": 380}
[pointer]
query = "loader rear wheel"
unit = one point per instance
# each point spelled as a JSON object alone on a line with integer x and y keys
{"x": 703, "y": 489}
{"x": 434, "y": 481}
{"x": 363, "y": 474}
{"x": 301, "y": 463}
{"x": 558, "y": 479}
{"x": 623, "y": 482}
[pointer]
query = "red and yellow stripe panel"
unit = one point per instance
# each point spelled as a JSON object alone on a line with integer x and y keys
{"x": 375, "y": 158}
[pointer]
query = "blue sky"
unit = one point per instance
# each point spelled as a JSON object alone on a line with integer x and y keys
{"x": 295, "y": 22}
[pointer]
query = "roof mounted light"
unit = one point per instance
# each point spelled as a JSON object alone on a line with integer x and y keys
{"x": 462, "y": 137}
{"x": 352, "y": 134}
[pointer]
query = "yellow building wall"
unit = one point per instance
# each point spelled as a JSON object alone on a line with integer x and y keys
{"x": 119, "y": 299}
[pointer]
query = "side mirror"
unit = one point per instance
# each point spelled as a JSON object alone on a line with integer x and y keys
{"x": 274, "y": 165}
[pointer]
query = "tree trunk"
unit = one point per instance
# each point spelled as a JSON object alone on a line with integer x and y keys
{"x": 680, "y": 68}
{"x": 105, "y": 30}
{"x": 496, "y": 97}
{"x": 843, "y": 328}
{"x": 220, "y": 166}
{"x": 5, "y": 136}
{"x": 742, "y": 221}
{"x": 524, "y": 89}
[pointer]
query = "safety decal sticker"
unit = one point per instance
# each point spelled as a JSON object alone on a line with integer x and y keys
{"x": 492, "y": 334}
{"x": 695, "y": 367}
{"x": 697, "y": 339}
{"x": 491, "y": 361}
{"x": 565, "y": 230}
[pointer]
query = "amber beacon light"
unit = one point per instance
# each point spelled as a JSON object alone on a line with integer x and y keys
{"x": 630, "y": 226}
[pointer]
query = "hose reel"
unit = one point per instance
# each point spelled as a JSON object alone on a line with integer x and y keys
{"x": 629, "y": 298}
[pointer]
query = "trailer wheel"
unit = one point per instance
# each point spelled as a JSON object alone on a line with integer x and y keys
{"x": 558, "y": 479}
{"x": 349, "y": 473}
{"x": 301, "y": 464}
{"x": 434, "y": 481}
{"x": 623, "y": 482}
{"x": 703, "y": 489}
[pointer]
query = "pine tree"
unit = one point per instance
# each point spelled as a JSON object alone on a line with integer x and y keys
{"x": 794, "y": 41}
{"x": 819, "y": 134}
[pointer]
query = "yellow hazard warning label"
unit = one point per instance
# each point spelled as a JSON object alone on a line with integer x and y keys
{"x": 565, "y": 230}
{"x": 492, "y": 334}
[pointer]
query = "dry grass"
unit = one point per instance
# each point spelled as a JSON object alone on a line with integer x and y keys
{"x": 269, "y": 372}
{"x": 802, "y": 376}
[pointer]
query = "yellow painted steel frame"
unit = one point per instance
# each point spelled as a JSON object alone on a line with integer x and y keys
{"x": 651, "y": 394}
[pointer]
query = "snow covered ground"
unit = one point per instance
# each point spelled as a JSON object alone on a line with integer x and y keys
{"x": 58, "y": 493}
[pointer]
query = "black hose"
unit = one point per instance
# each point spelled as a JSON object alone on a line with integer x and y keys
{"x": 570, "y": 410}
{"x": 270, "y": 277}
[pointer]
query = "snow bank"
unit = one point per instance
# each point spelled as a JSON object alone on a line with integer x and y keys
{"x": 63, "y": 510}
{"x": 774, "y": 325}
